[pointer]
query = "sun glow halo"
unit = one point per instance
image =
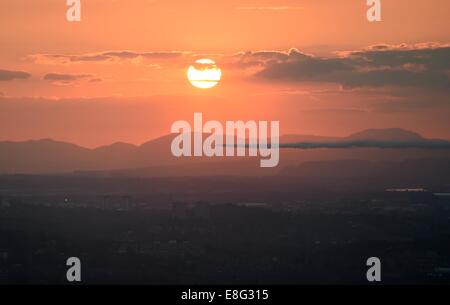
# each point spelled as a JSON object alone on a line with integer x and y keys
{"x": 204, "y": 74}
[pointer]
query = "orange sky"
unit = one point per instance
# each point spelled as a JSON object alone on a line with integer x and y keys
{"x": 83, "y": 88}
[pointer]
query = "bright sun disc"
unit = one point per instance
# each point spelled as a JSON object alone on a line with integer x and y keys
{"x": 204, "y": 74}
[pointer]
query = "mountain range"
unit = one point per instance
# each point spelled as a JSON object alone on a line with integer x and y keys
{"x": 154, "y": 157}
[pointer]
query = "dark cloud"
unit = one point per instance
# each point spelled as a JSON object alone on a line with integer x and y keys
{"x": 262, "y": 58}
{"x": 423, "y": 65}
{"x": 419, "y": 56}
{"x": 7, "y": 75}
{"x": 308, "y": 69}
{"x": 65, "y": 77}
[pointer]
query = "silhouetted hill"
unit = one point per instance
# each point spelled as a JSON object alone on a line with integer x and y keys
{"x": 41, "y": 156}
{"x": 369, "y": 138}
{"x": 111, "y": 156}
{"x": 154, "y": 158}
{"x": 390, "y": 134}
{"x": 119, "y": 148}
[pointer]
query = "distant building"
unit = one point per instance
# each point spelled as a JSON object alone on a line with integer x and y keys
{"x": 411, "y": 195}
{"x": 253, "y": 205}
{"x": 4, "y": 204}
{"x": 202, "y": 210}
{"x": 3, "y": 255}
{"x": 407, "y": 190}
{"x": 443, "y": 200}
{"x": 180, "y": 209}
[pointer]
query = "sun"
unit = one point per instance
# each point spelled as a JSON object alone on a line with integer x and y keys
{"x": 204, "y": 74}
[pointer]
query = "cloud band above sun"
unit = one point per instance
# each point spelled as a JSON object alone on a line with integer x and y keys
{"x": 423, "y": 65}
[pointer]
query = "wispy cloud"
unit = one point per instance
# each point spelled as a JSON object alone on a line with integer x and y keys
{"x": 8, "y": 75}
{"x": 104, "y": 57}
{"x": 268, "y": 8}
{"x": 67, "y": 79}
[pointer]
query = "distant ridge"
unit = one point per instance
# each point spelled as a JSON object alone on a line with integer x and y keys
{"x": 372, "y": 138}
{"x": 50, "y": 156}
{"x": 390, "y": 134}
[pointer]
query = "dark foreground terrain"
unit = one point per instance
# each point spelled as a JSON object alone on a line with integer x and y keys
{"x": 257, "y": 233}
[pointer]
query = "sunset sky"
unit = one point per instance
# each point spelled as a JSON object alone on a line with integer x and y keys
{"x": 317, "y": 66}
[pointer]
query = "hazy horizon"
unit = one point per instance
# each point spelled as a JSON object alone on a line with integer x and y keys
{"x": 318, "y": 67}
